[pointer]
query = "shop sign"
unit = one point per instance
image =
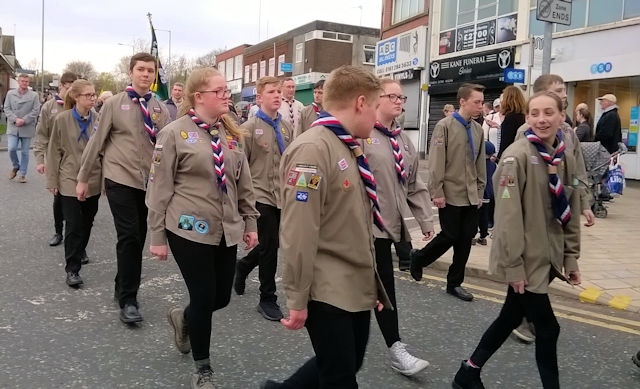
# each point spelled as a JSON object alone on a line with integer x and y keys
{"x": 405, "y": 75}
{"x": 402, "y": 52}
{"x": 514, "y": 76}
{"x": 489, "y": 65}
{"x": 602, "y": 67}
{"x": 309, "y": 78}
{"x": 486, "y": 33}
{"x": 633, "y": 126}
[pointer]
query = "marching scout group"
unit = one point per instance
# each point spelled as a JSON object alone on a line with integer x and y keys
{"x": 331, "y": 185}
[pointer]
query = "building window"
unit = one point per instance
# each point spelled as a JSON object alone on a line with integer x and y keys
{"x": 272, "y": 66}
{"x": 299, "y": 52}
{"x": 280, "y": 60}
{"x": 405, "y": 9}
{"x": 329, "y": 35}
{"x": 263, "y": 68}
{"x": 578, "y": 16}
{"x": 631, "y": 9}
{"x": 247, "y": 74}
{"x": 222, "y": 69}
{"x": 369, "y": 54}
{"x": 237, "y": 72}
{"x": 344, "y": 37}
{"x": 229, "y": 69}
{"x": 254, "y": 71}
{"x": 601, "y": 12}
{"x": 590, "y": 13}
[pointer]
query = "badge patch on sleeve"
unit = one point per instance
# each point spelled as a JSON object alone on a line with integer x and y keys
{"x": 302, "y": 196}
{"x": 506, "y": 194}
{"x": 186, "y": 222}
{"x": 342, "y": 164}
{"x": 259, "y": 131}
{"x": 292, "y": 177}
{"x": 202, "y": 227}
{"x": 302, "y": 181}
{"x": 314, "y": 181}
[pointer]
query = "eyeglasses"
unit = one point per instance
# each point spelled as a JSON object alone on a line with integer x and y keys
{"x": 89, "y": 95}
{"x": 394, "y": 98}
{"x": 220, "y": 93}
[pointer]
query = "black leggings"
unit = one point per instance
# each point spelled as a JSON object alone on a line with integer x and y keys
{"x": 536, "y": 307}
{"x": 387, "y": 318}
{"x": 208, "y": 272}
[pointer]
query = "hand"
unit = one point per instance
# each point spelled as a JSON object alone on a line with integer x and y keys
{"x": 251, "y": 240}
{"x": 439, "y": 202}
{"x": 591, "y": 218}
{"x": 480, "y": 204}
{"x": 296, "y": 319}
{"x": 159, "y": 252}
{"x": 40, "y": 168}
{"x": 518, "y": 286}
{"x": 54, "y": 191}
{"x": 491, "y": 123}
{"x": 428, "y": 235}
{"x": 81, "y": 190}
{"x": 19, "y": 122}
{"x": 574, "y": 277}
{"x": 379, "y": 306}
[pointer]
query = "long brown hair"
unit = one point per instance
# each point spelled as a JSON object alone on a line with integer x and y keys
{"x": 199, "y": 78}
{"x": 76, "y": 88}
{"x": 512, "y": 100}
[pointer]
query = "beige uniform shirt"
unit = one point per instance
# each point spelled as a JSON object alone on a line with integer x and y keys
{"x": 397, "y": 201}
{"x": 263, "y": 154}
{"x": 572, "y": 144}
{"x": 183, "y": 195}
{"x": 285, "y": 110}
{"x": 529, "y": 243}
{"x": 122, "y": 139}
{"x": 64, "y": 153}
{"x": 326, "y": 230}
{"x": 308, "y": 115}
{"x": 48, "y": 112}
{"x": 453, "y": 172}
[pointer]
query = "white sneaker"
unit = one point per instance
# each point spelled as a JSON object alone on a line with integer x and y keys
{"x": 403, "y": 362}
{"x": 525, "y": 332}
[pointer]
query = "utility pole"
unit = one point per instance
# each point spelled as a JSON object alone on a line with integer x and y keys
{"x": 546, "y": 48}
{"x": 42, "y": 53}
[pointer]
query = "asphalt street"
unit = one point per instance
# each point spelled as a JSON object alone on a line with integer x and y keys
{"x": 52, "y": 336}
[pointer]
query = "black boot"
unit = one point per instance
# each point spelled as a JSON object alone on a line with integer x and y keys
{"x": 416, "y": 266}
{"x": 467, "y": 377}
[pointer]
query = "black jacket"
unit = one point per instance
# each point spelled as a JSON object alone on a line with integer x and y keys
{"x": 609, "y": 130}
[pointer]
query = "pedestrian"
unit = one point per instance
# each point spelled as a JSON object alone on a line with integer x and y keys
{"x": 512, "y": 109}
{"x": 456, "y": 185}
{"x": 448, "y": 110}
{"x": 290, "y": 108}
{"x": 125, "y": 137}
{"x": 608, "y": 129}
{"x": 585, "y": 124}
{"x": 330, "y": 274}
{"x": 70, "y": 133}
{"x": 48, "y": 113}
{"x": 21, "y": 106}
{"x": 173, "y": 102}
{"x": 533, "y": 205}
{"x": 200, "y": 201}
{"x": 310, "y": 113}
{"x": 401, "y": 195}
{"x": 485, "y": 217}
{"x": 104, "y": 96}
{"x": 267, "y": 136}
{"x": 491, "y": 125}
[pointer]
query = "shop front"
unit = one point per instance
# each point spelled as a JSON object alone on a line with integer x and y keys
{"x": 248, "y": 93}
{"x": 304, "y": 85}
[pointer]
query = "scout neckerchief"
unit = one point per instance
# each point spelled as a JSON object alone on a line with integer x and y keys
{"x": 467, "y": 126}
{"x": 59, "y": 99}
{"x": 316, "y": 109}
{"x": 83, "y": 123}
{"x": 142, "y": 100}
{"x": 275, "y": 124}
{"x": 216, "y": 147}
{"x": 397, "y": 154}
{"x": 559, "y": 202}
{"x": 291, "y": 116}
{"x": 369, "y": 181}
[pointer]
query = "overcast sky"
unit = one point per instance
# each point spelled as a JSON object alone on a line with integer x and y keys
{"x": 90, "y": 30}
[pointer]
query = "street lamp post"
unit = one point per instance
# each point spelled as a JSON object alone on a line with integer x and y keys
{"x": 170, "y": 69}
{"x": 133, "y": 48}
{"x": 42, "y": 54}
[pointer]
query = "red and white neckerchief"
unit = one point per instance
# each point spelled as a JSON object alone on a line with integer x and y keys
{"x": 397, "y": 153}
{"x": 291, "y": 115}
{"x": 316, "y": 109}
{"x": 216, "y": 147}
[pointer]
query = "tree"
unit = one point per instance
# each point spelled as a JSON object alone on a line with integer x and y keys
{"x": 82, "y": 69}
{"x": 105, "y": 81}
{"x": 209, "y": 59}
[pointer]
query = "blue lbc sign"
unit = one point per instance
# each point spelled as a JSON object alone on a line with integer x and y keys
{"x": 513, "y": 76}
{"x": 601, "y": 67}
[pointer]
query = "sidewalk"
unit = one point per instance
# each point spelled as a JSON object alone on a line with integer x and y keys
{"x": 609, "y": 262}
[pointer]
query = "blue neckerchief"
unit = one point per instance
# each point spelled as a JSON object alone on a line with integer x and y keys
{"x": 276, "y": 127}
{"x": 82, "y": 123}
{"x": 467, "y": 126}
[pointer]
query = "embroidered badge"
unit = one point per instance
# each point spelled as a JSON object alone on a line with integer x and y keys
{"x": 575, "y": 181}
{"x": 438, "y": 142}
{"x": 192, "y": 137}
{"x": 54, "y": 110}
{"x": 342, "y": 164}
{"x": 214, "y": 132}
{"x": 302, "y": 181}
{"x": 534, "y": 160}
{"x": 369, "y": 140}
{"x": 306, "y": 168}
{"x": 157, "y": 156}
{"x": 314, "y": 181}
{"x": 259, "y": 131}
{"x": 508, "y": 160}
{"x": 375, "y": 141}
{"x": 511, "y": 181}
{"x": 292, "y": 177}
{"x": 154, "y": 116}
{"x": 503, "y": 181}
{"x": 406, "y": 147}
{"x": 183, "y": 134}
{"x": 186, "y": 222}
{"x": 346, "y": 185}
{"x": 157, "y": 109}
{"x": 302, "y": 196}
{"x": 124, "y": 107}
{"x": 505, "y": 194}
{"x": 202, "y": 226}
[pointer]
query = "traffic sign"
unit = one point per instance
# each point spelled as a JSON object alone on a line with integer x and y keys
{"x": 554, "y": 11}
{"x": 286, "y": 67}
{"x": 514, "y": 76}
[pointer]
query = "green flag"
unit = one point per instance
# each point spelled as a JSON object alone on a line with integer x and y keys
{"x": 159, "y": 86}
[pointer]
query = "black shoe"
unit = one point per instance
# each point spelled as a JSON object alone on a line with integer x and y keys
{"x": 404, "y": 265}
{"x": 636, "y": 359}
{"x": 270, "y": 310}
{"x": 460, "y": 293}
{"x": 130, "y": 314}
{"x": 270, "y": 384}
{"x": 240, "y": 281}
{"x": 467, "y": 377}
{"x": 85, "y": 258}
{"x": 73, "y": 279}
{"x": 415, "y": 267}
{"x": 55, "y": 240}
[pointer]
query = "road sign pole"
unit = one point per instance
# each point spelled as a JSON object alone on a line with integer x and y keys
{"x": 546, "y": 48}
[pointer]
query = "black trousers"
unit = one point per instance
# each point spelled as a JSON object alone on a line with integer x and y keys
{"x": 536, "y": 307}
{"x": 403, "y": 249}
{"x": 459, "y": 226}
{"x": 130, "y": 218}
{"x": 57, "y": 213}
{"x": 339, "y": 339}
{"x": 208, "y": 272}
{"x": 387, "y": 318}
{"x": 485, "y": 218}
{"x": 79, "y": 217}
{"x": 265, "y": 254}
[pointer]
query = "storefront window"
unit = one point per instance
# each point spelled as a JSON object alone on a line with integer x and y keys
{"x": 448, "y": 13}
{"x": 507, "y": 6}
{"x": 578, "y": 16}
{"x": 601, "y": 12}
{"x": 405, "y": 9}
{"x": 486, "y": 9}
{"x": 631, "y": 9}
{"x": 466, "y": 12}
